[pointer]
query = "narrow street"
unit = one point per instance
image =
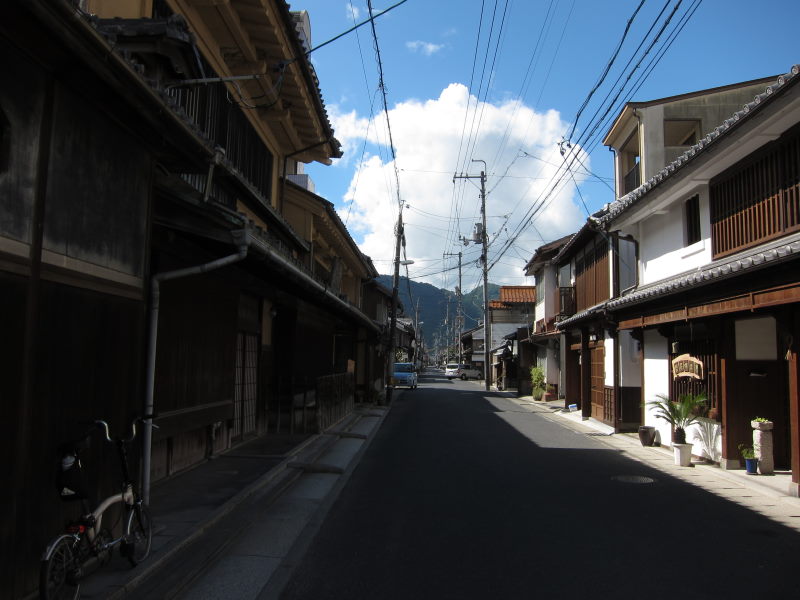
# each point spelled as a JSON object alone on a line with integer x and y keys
{"x": 463, "y": 494}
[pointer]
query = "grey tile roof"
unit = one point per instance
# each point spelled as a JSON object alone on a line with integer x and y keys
{"x": 580, "y": 316}
{"x": 622, "y": 204}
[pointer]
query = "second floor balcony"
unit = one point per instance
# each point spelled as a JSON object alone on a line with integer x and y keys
{"x": 632, "y": 180}
{"x": 566, "y": 303}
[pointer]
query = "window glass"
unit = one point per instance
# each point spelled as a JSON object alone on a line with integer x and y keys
{"x": 627, "y": 264}
{"x": 692, "y": 220}
{"x": 565, "y": 275}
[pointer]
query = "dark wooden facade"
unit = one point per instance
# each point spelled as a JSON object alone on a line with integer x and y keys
{"x": 73, "y": 257}
{"x": 107, "y": 179}
{"x": 585, "y": 361}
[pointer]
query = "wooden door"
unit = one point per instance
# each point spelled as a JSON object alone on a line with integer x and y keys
{"x": 598, "y": 380}
{"x": 245, "y": 394}
{"x": 758, "y": 390}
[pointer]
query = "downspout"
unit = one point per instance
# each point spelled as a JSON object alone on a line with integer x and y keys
{"x": 155, "y": 284}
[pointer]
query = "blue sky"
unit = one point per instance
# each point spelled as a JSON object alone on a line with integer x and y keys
{"x": 535, "y": 62}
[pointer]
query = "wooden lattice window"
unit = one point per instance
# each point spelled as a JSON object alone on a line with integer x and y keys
{"x": 757, "y": 200}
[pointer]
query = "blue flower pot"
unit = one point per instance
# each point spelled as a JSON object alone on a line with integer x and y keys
{"x": 751, "y": 466}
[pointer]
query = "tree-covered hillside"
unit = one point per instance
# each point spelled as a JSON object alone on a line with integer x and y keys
{"x": 433, "y": 306}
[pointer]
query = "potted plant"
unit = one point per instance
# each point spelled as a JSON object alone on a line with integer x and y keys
{"x": 680, "y": 414}
{"x": 537, "y": 383}
{"x": 750, "y": 460}
{"x": 762, "y": 424}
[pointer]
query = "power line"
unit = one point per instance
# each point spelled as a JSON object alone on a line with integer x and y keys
{"x": 603, "y": 75}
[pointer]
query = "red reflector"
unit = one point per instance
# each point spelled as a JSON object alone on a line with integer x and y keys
{"x": 76, "y": 529}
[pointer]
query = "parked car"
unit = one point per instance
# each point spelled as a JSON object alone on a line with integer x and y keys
{"x": 452, "y": 370}
{"x": 469, "y": 372}
{"x": 456, "y": 371}
{"x": 404, "y": 374}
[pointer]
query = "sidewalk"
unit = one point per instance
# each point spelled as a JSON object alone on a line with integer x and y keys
{"x": 196, "y": 512}
{"x": 765, "y": 494}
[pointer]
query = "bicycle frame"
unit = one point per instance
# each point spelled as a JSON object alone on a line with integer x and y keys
{"x": 126, "y": 496}
{"x": 93, "y": 521}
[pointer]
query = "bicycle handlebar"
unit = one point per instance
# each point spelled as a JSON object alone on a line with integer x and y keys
{"x": 104, "y": 427}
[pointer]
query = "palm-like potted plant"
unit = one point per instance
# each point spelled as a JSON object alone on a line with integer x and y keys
{"x": 680, "y": 414}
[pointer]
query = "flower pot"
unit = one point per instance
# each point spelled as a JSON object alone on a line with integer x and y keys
{"x": 751, "y": 466}
{"x": 762, "y": 425}
{"x": 683, "y": 454}
{"x": 647, "y": 435}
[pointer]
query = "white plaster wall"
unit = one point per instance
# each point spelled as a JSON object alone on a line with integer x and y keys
{"x": 706, "y": 439}
{"x": 608, "y": 343}
{"x": 661, "y": 246}
{"x": 552, "y": 371}
{"x": 550, "y": 284}
{"x": 651, "y": 140}
{"x": 540, "y": 309}
{"x": 630, "y": 372}
{"x": 656, "y": 379}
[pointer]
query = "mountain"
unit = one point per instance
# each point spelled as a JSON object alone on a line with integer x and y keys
{"x": 436, "y": 305}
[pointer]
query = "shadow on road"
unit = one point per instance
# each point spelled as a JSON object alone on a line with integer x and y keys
{"x": 461, "y": 495}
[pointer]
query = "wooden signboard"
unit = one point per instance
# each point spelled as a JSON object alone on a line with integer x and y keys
{"x": 686, "y": 365}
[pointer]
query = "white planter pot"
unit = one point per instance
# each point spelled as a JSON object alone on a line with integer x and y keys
{"x": 683, "y": 454}
{"x": 762, "y": 425}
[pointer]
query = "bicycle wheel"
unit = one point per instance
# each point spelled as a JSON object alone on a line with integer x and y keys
{"x": 138, "y": 534}
{"x": 60, "y": 572}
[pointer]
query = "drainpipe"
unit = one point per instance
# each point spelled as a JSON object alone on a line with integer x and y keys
{"x": 155, "y": 285}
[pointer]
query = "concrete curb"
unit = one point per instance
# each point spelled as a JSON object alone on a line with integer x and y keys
{"x": 278, "y": 581}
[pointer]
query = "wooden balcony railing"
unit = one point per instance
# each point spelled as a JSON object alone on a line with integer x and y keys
{"x": 759, "y": 201}
{"x": 539, "y": 327}
{"x": 566, "y": 303}
{"x": 632, "y": 180}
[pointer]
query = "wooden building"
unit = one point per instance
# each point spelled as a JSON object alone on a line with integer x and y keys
{"x": 154, "y": 254}
{"x": 717, "y": 237}
{"x": 540, "y": 344}
{"x": 592, "y": 267}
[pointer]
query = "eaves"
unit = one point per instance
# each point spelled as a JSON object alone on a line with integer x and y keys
{"x": 584, "y": 315}
{"x": 739, "y": 265}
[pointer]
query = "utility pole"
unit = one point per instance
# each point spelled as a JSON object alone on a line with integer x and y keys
{"x": 459, "y": 311}
{"x": 447, "y": 334}
{"x": 393, "y": 319}
{"x": 487, "y": 325}
{"x": 417, "y": 339}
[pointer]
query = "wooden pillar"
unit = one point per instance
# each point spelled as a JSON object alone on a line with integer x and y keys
{"x": 794, "y": 403}
{"x": 727, "y": 350}
{"x": 586, "y": 375}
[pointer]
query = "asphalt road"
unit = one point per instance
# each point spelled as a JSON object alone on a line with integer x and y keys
{"x": 464, "y": 495}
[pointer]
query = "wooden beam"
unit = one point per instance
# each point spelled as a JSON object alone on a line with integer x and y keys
{"x": 747, "y": 301}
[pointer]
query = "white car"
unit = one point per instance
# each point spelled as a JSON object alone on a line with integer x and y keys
{"x": 452, "y": 370}
{"x": 456, "y": 371}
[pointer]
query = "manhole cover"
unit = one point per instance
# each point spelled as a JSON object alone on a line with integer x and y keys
{"x": 633, "y": 479}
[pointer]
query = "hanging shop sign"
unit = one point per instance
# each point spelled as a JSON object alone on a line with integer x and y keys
{"x": 687, "y": 365}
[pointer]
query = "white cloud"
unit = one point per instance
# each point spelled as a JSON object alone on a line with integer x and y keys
{"x": 428, "y": 138}
{"x": 353, "y": 12}
{"x": 427, "y": 48}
